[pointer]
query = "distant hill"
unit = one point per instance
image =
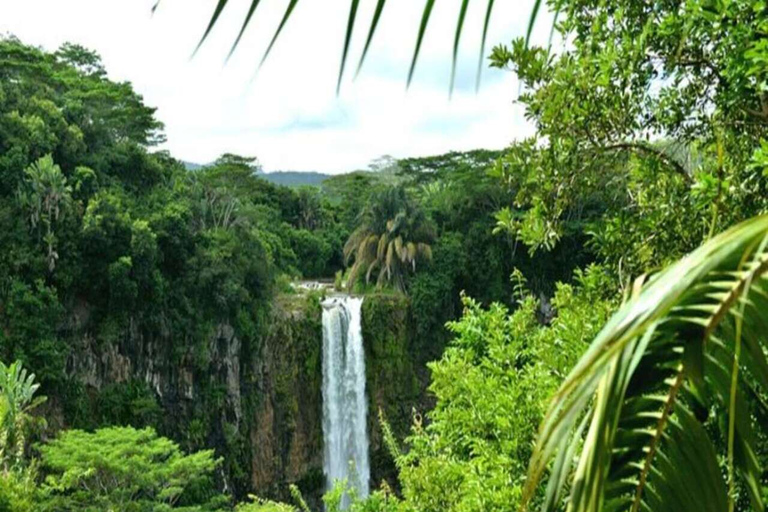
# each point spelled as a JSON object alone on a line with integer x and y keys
{"x": 191, "y": 166}
{"x": 295, "y": 178}
{"x": 285, "y": 178}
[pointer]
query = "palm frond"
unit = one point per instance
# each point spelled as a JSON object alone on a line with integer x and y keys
{"x": 354, "y": 241}
{"x": 371, "y": 267}
{"x": 286, "y": 17}
{"x": 371, "y": 32}
{"x": 456, "y": 39}
{"x": 214, "y": 18}
{"x": 411, "y": 248}
{"x": 390, "y": 259}
{"x": 671, "y": 351}
{"x": 347, "y": 40}
{"x": 532, "y": 21}
{"x": 399, "y": 249}
{"x": 369, "y": 249}
{"x": 420, "y": 38}
{"x": 486, "y": 23}
{"x": 251, "y": 10}
{"x": 382, "y": 247}
{"x": 425, "y": 251}
{"x": 351, "y": 20}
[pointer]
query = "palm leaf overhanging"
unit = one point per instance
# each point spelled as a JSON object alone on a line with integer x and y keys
{"x": 392, "y": 237}
{"x": 688, "y": 350}
{"x": 378, "y": 10}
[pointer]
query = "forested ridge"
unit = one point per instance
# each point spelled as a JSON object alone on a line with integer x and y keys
{"x": 575, "y": 322}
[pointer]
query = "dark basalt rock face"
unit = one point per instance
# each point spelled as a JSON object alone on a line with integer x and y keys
{"x": 258, "y": 403}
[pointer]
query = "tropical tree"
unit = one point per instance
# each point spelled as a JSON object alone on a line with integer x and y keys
{"x": 393, "y": 236}
{"x": 648, "y": 118}
{"x": 46, "y": 196}
{"x": 310, "y": 207}
{"x": 124, "y": 469}
{"x": 219, "y": 208}
{"x": 669, "y": 393}
{"x": 17, "y": 400}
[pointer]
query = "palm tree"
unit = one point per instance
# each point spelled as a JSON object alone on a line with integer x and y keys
{"x": 668, "y": 393}
{"x": 17, "y": 390}
{"x": 393, "y": 235}
{"x": 310, "y": 208}
{"x": 46, "y": 196}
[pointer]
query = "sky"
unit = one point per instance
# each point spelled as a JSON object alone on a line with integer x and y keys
{"x": 287, "y": 113}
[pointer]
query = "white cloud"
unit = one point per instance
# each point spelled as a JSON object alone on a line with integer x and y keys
{"x": 290, "y": 116}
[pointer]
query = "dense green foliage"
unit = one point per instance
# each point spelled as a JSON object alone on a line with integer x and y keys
{"x": 691, "y": 76}
{"x": 107, "y": 244}
{"x": 491, "y": 386}
{"x": 124, "y": 469}
{"x": 651, "y": 125}
{"x": 112, "y": 243}
{"x": 670, "y": 390}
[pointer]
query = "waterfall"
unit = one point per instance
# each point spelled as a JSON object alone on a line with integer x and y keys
{"x": 344, "y": 402}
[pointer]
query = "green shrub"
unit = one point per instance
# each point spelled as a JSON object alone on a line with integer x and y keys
{"x": 123, "y": 469}
{"x": 492, "y": 385}
{"x": 17, "y": 491}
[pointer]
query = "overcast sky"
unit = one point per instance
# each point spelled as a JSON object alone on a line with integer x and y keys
{"x": 289, "y": 115}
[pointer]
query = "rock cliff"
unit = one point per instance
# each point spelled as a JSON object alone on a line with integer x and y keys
{"x": 258, "y": 401}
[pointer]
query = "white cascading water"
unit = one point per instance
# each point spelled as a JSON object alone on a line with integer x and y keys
{"x": 345, "y": 410}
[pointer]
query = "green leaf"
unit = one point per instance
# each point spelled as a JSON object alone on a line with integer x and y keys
{"x": 422, "y": 29}
{"x": 286, "y": 16}
{"x": 486, "y": 23}
{"x": 643, "y": 443}
{"x": 554, "y": 26}
{"x": 371, "y": 31}
{"x": 457, "y": 38}
{"x": 347, "y": 40}
{"x": 214, "y": 18}
{"x": 532, "y": 22}
{"x": 251, "y": 10}
{"x": 700, "y": 486}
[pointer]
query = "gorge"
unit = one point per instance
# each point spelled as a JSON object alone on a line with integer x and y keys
{"x": 262, "y": 403}
{"x": 576, "y": 321}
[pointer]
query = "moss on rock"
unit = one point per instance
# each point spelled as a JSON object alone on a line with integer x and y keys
{"x": 392, "y": 377}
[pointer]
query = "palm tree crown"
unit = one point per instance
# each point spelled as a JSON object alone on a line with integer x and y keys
{"x": 393, "y": 235}
{"x": 45, "y": 195}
